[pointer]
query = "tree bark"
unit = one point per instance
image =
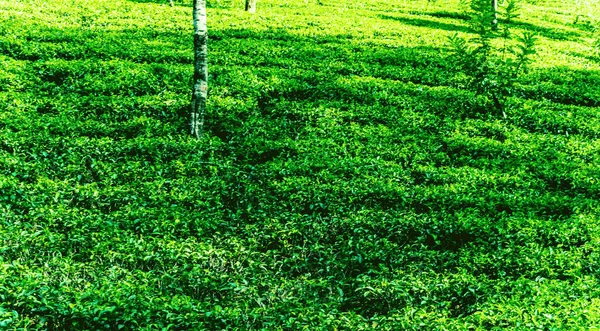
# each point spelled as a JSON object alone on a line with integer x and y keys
{"x": 494, "y": 14}
{"x": 200, "y": 89}
{"x": 251, "y": 6}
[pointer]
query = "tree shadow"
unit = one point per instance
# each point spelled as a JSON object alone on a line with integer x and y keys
{"x": 427, "y": 23}
{"x": 447, "y": 14}
{"x": 549, "y": 33}
{"x": 594, "y": 57}
{"x": 545, "y": 32}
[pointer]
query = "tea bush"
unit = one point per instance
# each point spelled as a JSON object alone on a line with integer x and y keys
{"x": 348, "y": 180}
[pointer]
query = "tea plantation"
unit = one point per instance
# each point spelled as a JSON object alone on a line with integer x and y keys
{"x": 353, "y": 175}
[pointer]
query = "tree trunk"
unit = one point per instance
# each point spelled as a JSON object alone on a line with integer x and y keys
{"x": 200, "y": 89}
{"x": 251, "y": 6}
{"x": 494, "y": 14}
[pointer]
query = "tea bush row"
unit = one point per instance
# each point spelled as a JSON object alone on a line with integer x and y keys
{"x": 346, "y": 181}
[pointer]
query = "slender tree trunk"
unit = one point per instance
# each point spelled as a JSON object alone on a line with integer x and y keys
{"x": 494, "y": 14}
{"x": 251, "y": 6}
{"x": 200, "y": 89}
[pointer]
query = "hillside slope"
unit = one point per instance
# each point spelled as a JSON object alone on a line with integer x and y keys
{"x": 348, "y": 180}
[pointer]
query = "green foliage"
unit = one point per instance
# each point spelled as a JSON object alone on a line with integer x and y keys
{"x": 490, "y": 69}
{"x": 586, "y": 12}
{"x": 511, "y": 11}
{"x": 482, "y": 16}
{"x": 352, "y": 177}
